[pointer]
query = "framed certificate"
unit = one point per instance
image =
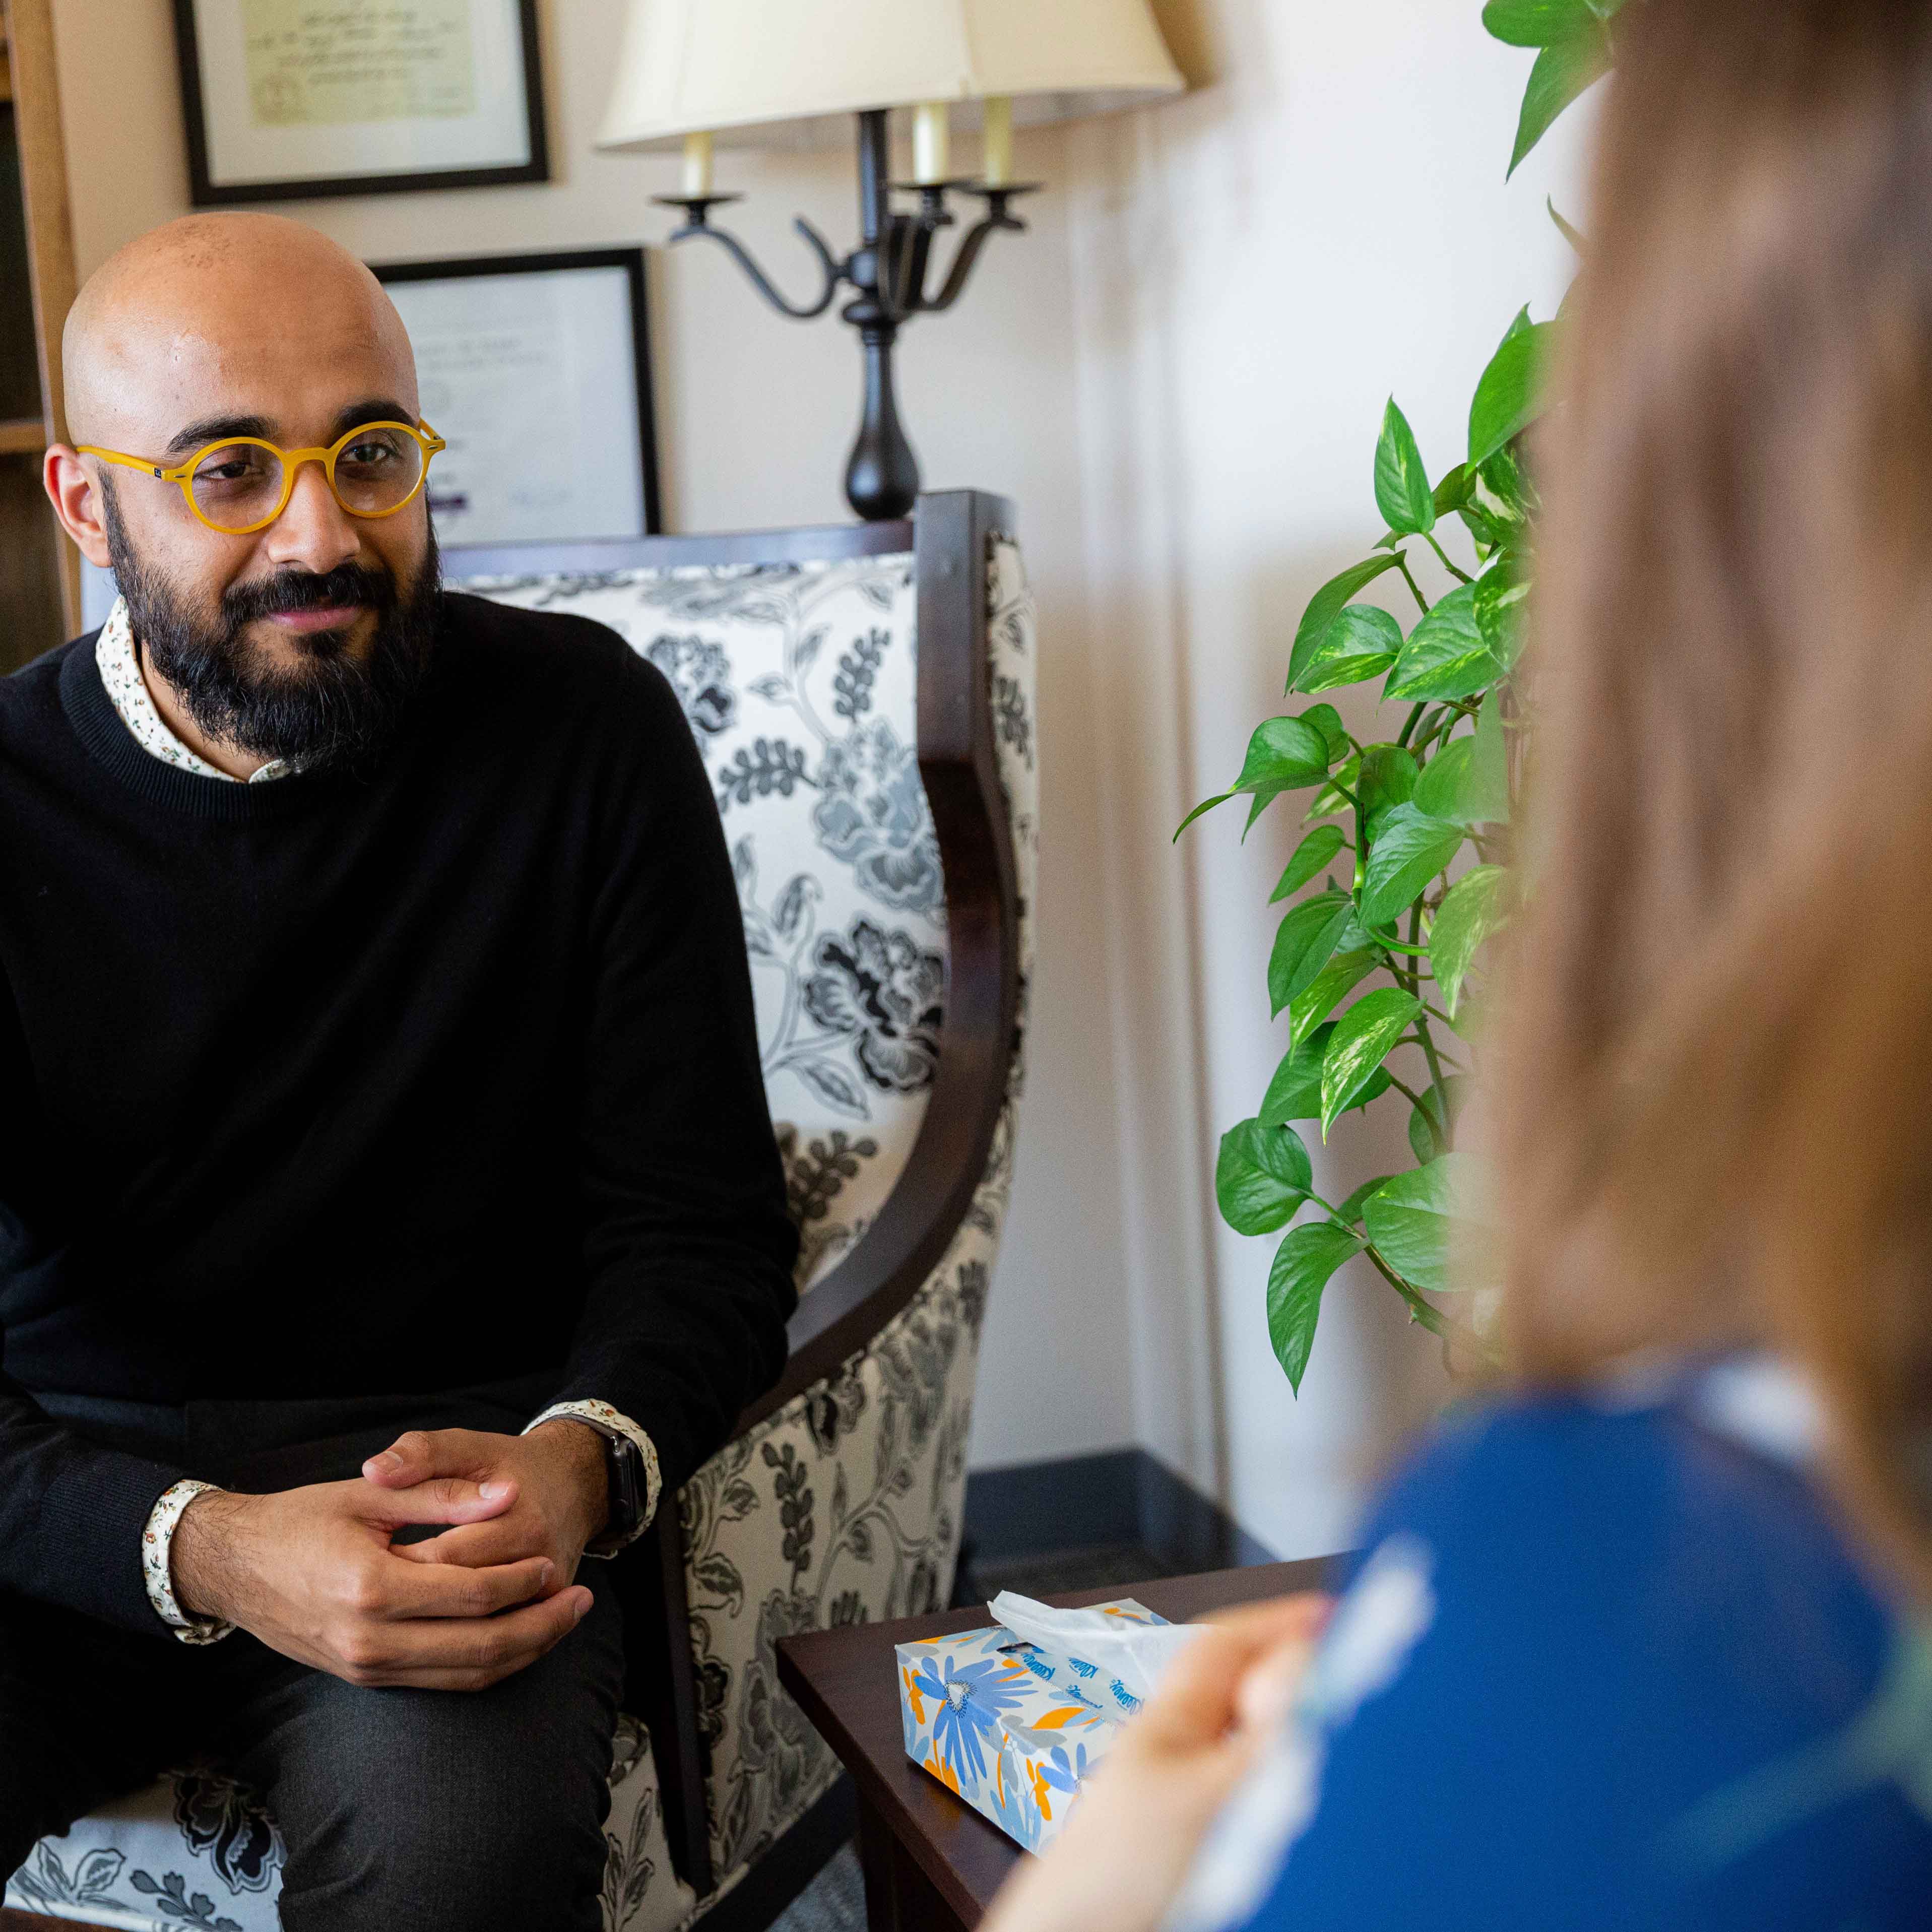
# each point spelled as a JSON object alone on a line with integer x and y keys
{"x": 535, "y": 369}
{"x": 285, "y": 98}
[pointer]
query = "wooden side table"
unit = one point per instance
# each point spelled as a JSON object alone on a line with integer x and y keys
{"x": 931, "y": 1863}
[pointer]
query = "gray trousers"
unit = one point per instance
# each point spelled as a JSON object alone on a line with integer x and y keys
{"x": 436, "y": 1811}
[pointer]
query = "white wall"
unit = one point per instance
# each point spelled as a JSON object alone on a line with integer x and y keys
{"x": 1255, "y": 268}
{"x": 1179, "y": 375}
{"x": 756, "y": 415}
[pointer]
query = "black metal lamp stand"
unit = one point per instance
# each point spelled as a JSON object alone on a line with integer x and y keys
{"x": 888, "y": 269}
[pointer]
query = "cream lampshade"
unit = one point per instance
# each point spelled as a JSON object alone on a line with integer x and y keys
{"x": 768, "y": 73}
{"x": 751, "y": 72}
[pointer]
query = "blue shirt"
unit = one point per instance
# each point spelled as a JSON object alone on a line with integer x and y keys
{"x": 1602, "y": 1665}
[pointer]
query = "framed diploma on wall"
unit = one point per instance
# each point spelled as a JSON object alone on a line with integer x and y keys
{"x": 535, "y": 369}
{"x": 285, "y": 98}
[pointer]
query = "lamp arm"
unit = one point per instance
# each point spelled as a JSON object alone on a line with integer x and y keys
{"x": 828, "y": 267}
{"x": 968, "y": 253}
{"x": 975, "y": 239}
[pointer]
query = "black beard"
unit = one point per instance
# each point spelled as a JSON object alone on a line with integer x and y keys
{"x": 334, "y": 713}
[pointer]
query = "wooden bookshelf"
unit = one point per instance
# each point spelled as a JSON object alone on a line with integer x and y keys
{"x": 40, "y": 570}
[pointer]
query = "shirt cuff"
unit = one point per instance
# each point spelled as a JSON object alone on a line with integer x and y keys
{"x": 612, "y": 1422}
{"x": 157, "y": 1541}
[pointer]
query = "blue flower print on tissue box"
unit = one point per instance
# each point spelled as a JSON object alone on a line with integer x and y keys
{"x": 1009, "y": 1726}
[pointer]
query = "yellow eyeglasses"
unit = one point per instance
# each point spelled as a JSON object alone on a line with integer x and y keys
{"x": 242, "y": 483}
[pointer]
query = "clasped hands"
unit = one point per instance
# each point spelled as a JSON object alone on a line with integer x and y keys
{"x": 315, "y": 1573}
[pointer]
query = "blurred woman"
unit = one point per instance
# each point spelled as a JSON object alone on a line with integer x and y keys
{"x": 1647, "y": 1644}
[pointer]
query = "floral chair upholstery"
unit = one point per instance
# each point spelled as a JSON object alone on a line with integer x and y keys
{"x": 798, "y": 680}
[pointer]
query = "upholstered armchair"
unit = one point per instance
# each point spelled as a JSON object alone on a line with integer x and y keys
{"x": 863, "y": 697}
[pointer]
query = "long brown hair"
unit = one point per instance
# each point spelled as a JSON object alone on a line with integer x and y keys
{"x": 1716, "y": 1070}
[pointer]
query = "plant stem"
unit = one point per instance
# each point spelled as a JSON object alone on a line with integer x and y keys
{"x": 1439, "y": 1121}
{"x": 1453, "y": 571}
{"x": 1396, "y": 946}
{"x": 1403, "y": 1087}
{"x": 1415, "y": 713}
{"x": 1415, "y": 588}
{"x": 1430, "y": 1318}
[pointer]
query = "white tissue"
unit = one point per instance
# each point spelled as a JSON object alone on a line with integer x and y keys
{"x": 1132, "y": 1655}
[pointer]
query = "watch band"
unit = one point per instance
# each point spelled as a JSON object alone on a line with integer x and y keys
{"x": 625, "y": 1468}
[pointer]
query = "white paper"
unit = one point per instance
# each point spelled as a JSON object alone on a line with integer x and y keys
{"x": 532, "y": 379}
{"x": 1131, "y": 1654}
{"x": 477, "y": 116}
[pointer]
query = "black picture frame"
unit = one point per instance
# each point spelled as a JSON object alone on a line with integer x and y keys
{"x": 204, "y": 192}
{"x": 631, "y": 260}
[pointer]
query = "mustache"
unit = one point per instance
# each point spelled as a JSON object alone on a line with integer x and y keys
{"x": 309, "y": 590}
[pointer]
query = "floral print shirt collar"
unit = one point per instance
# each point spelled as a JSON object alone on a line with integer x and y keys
{"x": 118, "y": 660}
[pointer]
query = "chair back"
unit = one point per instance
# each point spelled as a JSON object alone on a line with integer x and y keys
{"x": 793, "y": 655}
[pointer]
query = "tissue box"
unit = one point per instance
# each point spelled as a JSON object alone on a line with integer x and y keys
{"x": 1010, "y": 1727}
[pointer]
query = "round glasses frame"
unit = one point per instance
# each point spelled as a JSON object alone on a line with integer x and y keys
{"x": 291, "y": 461}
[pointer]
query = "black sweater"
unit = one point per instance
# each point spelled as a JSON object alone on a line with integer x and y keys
{"x": 327, "y": 1087}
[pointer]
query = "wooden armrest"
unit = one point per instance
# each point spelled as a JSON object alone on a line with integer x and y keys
{"x": 959, "y": 766}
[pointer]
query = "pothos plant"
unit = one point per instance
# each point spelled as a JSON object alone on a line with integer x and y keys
{"x": 1403, "y": 873}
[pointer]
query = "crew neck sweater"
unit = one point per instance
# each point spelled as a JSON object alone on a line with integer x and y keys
{"x": 345, "y": 1086}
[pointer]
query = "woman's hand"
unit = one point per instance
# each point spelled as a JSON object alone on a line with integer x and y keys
{"x": 1134, "y": 1832}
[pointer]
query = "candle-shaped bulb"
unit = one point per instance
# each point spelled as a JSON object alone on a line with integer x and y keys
{"x": 929, "y": 129}
{"x": 996, "y": 157}
{"x": 697, "y": 165}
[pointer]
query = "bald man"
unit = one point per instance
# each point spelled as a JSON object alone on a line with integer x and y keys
{"x": 388, "y": 1207}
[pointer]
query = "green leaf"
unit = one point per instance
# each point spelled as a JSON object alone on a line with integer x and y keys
{"x": 1350, "y": 1209}
{"x": 1327, "y": 721}
{"x": 1412, "y": 848}
{"x": 1329, "y": 798}
{"x": 1420, "y": 1137}
{"x": 1310, "y": 855}
{"x": 1304, "y": 944}
{"x": 1411, "y": 1219}
{"x": 1564, "y": 228}
{"x": 1361, "y": 643}
{"x": 1506, "y": 398}
{"x": 1283, "y": 754}
{"x": 1500, "y": 594}
{"x": 1474, "y": 907}
{"x": 1361, "y": 1040}
{"x": 1295, "y": 1094}
{"x": 1261, "y": 1177}
{"x": 1447, "y": 655}
{"x": 1379, "y": 1083}
{"x": 1206, "y": 804}
{"x": 1487, "y": 797}
{"x": 1453, "y": 492}
{"x": 1326, "y": 602}
{"x": 1562, "y": 70}
{"x": 1536, "y": 23}
{"x": 1444, "y": 783}
{"x": 1402, "y": 494}
{"x": 1326, "y": 990}
{"x": 1503, "y": 491}
{"x": 1303, "y": 1265}
{"x": 1386, "y": 780}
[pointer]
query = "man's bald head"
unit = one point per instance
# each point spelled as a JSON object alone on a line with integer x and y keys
{"x": 301, "y": 638}
{"x": 250, "y": 308}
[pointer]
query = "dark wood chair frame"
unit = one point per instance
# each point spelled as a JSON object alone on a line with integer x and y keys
{"x": 950, "y": 534}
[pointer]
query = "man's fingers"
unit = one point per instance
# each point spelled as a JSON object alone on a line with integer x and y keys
{"x": 1199, "y": 1696}
{"x": 438, "y": 1499}
{"x": 447, "y": 1590}
{"x": 410, "y": 1651}
{"x": 418, "y": 1454}
{"x": 505, "y": 1540}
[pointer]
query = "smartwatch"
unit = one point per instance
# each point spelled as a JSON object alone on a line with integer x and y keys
{"x": 625, "y": 1467}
